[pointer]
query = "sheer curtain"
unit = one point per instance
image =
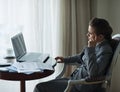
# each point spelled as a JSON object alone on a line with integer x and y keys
{"x": 46, "y": 25}
{"x": 39, "y": 20}
{"x": 57, "y": 27}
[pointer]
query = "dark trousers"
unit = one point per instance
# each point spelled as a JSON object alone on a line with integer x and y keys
{"x": 57, "y": 85}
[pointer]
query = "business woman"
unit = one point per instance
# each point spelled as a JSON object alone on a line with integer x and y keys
{"x": 94, "y": 60}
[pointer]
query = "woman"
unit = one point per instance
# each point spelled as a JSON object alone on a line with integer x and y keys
{"x": 94, "y": 60}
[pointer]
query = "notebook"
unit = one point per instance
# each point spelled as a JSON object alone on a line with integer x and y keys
{"x": 21, "y": 53}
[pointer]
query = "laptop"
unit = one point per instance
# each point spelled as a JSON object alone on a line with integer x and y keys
{"x": 21, "y": 53}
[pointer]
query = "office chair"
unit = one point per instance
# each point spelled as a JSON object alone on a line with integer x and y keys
{"x": 105, "y": 80}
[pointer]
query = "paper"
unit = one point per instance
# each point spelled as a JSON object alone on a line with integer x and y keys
{"x": 51, "y": 61}
{"x": 3, "y": 68}
{"x": 4, "y": 65}
{"x": 30, "y": 67}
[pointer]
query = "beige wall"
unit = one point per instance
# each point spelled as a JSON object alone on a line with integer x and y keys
{"x": 108, "y": 9}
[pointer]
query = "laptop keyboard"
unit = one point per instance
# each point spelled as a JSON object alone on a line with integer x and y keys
{"x": 34, "y": 57}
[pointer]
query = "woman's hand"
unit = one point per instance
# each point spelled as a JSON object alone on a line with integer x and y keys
{"x": 59, "y": 59}
{"x": 92, "y": 43}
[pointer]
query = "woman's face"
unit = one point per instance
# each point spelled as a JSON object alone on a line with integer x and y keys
{"x": 91, "y": 34}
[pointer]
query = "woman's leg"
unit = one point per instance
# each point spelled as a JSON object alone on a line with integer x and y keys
{"x": 57, "y": 85}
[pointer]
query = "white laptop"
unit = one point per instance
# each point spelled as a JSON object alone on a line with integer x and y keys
{"x": 21, "y": 53}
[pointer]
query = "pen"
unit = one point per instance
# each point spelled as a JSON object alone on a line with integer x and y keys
{"x": 46, "y": 59}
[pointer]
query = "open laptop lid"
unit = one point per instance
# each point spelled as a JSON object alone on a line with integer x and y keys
{"x": 18, "y": 45}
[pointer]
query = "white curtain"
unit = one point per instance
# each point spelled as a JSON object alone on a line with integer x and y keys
{"x": 57, "y": 27}
{"x": 39, "y": 20}
{"x": 46, "y": 26}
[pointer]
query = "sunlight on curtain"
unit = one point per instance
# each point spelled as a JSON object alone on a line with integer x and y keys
{"x": 47, "y": 26}
{"x": 39, "y": 20}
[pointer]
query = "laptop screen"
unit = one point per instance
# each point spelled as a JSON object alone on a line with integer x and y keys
{"x": 18, "y": 45}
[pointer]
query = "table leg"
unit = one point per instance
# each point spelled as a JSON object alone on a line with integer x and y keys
{"x": 22, "y": 86}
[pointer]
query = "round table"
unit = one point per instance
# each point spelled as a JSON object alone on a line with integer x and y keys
{"x": 14, "y": 76}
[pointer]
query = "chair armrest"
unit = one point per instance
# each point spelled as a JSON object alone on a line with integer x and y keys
{"x": 87, "y": 81}
{"x": 63, "y": 70}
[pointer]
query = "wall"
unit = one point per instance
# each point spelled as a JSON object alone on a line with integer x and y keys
{"x": 108, "y": 9}
{"x": 114, "y": 15}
